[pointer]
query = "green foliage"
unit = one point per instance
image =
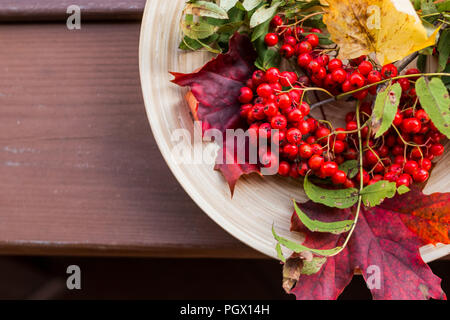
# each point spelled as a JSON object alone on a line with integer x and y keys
{"x": 386, "y": 106}
{"x": 375, "y": 194}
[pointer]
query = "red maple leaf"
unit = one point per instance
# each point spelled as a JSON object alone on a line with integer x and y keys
{"x": 382, "y": 247}
{"x": 213, "y": 99}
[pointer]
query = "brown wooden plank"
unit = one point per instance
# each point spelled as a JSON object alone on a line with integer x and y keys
{"x": 80, "y": 172}
{"x": 56, "y": 10}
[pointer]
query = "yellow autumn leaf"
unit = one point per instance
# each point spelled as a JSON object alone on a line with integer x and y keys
{"x": 389, "y": 28}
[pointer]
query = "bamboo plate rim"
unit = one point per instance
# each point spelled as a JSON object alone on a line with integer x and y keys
{"x": 429, "y": 252}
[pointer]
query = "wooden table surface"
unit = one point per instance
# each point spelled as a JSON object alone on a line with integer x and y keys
{"x": 80, "y": 173}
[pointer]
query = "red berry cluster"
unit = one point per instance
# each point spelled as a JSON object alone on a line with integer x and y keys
{"x": 324, "y": 71}
{"x": 305, "y": 143}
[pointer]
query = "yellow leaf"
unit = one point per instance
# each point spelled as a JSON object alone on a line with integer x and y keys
{"x": 389, "y": 28}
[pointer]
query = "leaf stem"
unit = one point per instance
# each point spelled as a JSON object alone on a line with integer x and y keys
{"x": 361, "y": 184}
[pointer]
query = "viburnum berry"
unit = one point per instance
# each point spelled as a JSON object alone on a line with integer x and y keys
{"x": 437, "y": 150}
{"x": 294, "y": 136}
{"x": 257, "y": 78}
{"x": 422, "y": 116}
{"x": 329, "y": 168}
{"x": 315, "y": 30}
{"x": 349, "y": 184}
{"x": 295, "y": 115}
{"x": 357, "y": 80}
{"x": 315, "y": 162}
{"x": 421, "y": 175}
{"x": 270, "y": 109}
{"x": 265, "y": 130}
{"x": 411, "y": 167}
{"x": 323, "y": 133}
{"x": 284, "y": 101}
{"x": 276, "y": 21}
{"x": 278, "y": 122}
{"x": 338, "y": 146}
{"x": 371, "y": 157}
{"x": 272, "y": 75}
{"x": 339, "y": 177}
{"x": 352, "y": 126}
{"x": 290, "y": 150}
{"x": 411, "y": 125}
{"x": 304, "y": 47}
{"x": 288, "y": 79}
{"x": 317, "y": 149}
{"x": 287, "y": 51}
{"x": 413, "y": 71}
{"x": 347, "y": 86}
{"x": 425, "y": 164}
{"x": 398, "y": 119}
{"x": 366, "y": 177}
{"x": 334, "y": 64}
{"x": 246, "y": 95}
{"x": 279, "y": 138}
{"x": 294, "y": 171}
{"x": 264, "y": 90}
{"x": 365, "y": 68}
{"x": 404, "y": 179}
{"x": 405, "y": 84}
{"x": 390, "y": 176}
{"x": 284, "y": 168}
{"x": 305, "y": 151}
{"x": 314, "y": 66}
{"x": 339, "y": 75}
{"x": 302, "y": 169}
{"x": 313, "y": 39}
{"x": 389, "y": 71}
{"x": 304, "y": 60}
{"x": 290, "y": 40}
{"x": 271, "y": 39}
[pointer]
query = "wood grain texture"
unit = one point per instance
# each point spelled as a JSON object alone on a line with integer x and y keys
{"x": 80, "y": 173}
{"x": 55, "y": 10}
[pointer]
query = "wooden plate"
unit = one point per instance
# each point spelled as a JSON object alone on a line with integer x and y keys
{"x": 257, "y": 203}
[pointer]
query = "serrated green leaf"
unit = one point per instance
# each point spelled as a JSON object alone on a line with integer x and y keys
{"x": 337, "y": 227}
{"x": 350, "y": 167}
{"x": 298, "y": 248}
{"x": 227, "y": 4}
{"x": 249, "y": 5}
{"x": 403, "y": 189}
{"x": 264, "y": 14}
{"x": 205, "y": 9}
{"x": 435, "y": 100}
{"x": 444, "y": 49}
{"x": 314, "y": 266}
{"x": 375, "y": 194}
{"x": 342, "y": 199}
{"x": 386, "y": 106}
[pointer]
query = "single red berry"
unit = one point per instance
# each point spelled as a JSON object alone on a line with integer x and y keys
{"x": 421, "y": 175}
{"x": 314, "y": 66}
{"x": 390, "y": 176}
{"x": 299, "y": 31}
{"x": 290, "y": 150}
{"x": 264, "y": 90}
{"x": 329, "y": 168}
{"x": 288, "y": 79}
{"x": 323, "y": 60}
{"x": 397, "y": 150}
{"x": 366, "y": 177}
{"x": 270, "y": 109}
{"x": 305, "y": 108}
{"x": 315, "y": 30}
{"x": 361, "y": 95}
{"x": 425, "y": 164}
{"x": 405, "y": 84}
{"x": 246, "y": 95}
{"x": 341, "y": 136}
{"x": 334, "y": 64}
{"x": 304, "y": 47}
{"x": 371, "y": 157}
{"x": 416, "y": 153}
{"x": 294, "y": 173}
{"x": 313, "y": 123}
{"x": 339, "y": 177}
{"x": 437, "y": 150}
{"x": 303, "y": 126}
{"x": 413, "y": 71}
{"x": 404, "y": 180}
{"x": 398, "y": 119}
{"x": 287, "y": 51}
{"x": 411, "y": 167}
{"x": 294, "y": 136}
{"x": 400, "y": 159}
{"x": 277, "y": 21}
{"x": 411, "y": 125}
{"x": 347, "y": 86}
{"x": 365, "y": 68}
{"x": 383, "y": 151}
{"x": 265, "y": 130}
{"x": 302, "y": 169}
{"x": 284, "y": 168}
{"x": 352, "y": 126}
{"x": 317, "y": 149}
{"x": 271, "y": 39}
{"x": 315, "y": 162}
{"x": 338, "y": 147}
{"x": 257, "y": 78}
{"x": 304, "y": 60}
{"x": 351, "y": 116}
{"x": 278, "y": 122}
{"x": 374, "y": 76}
{"x": 295, "y": 116}
{"x": 321, "y": 73}
{"x": 422, "y": 116}
{"x": 305, "y": 151}
{"x": 284, "y": 101}
{"x": 389, "y": 71}
{"x": 279, "y": 138}
{"x": 323, "y": 133}
{"x": 339, "y": 75}
{"x": 258, "y": 112}
{"x": 272, "y": 75}
{"x": 313, "y": 39}
{"x": 357, "y": 80}
{"x": 245, "y": 109}
{"x": 290, "y": 40}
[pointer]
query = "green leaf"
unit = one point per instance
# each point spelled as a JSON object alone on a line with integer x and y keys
{"x": 428, "y": 7}
{"x": 386, "y": 106}
{"x": 280, "y": 253}
{"x": 422, "y": 63}
{"x": 227, "y": 4}
{"x": 435, "y": 100}
{"x": 196, "y": 30}
{"x": 444, "y": 49}
{"x": 375, "y": 194}
{"x": 267, "y": 59}
{"x": 298, "y": 248}
{"x": 443, "y": 6}
{"x": 260, "y": 31}
{"x": 249, "y": 5}
{"x": 350, "y": 167}
{"x": 205, "y": 9}
{"x": 403, "y": 189}
{"x": 314, "y": 266}
{"x": 342, "y": 199}
{"x": 264, "y": 14}
{"x": 337, "y": 227}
